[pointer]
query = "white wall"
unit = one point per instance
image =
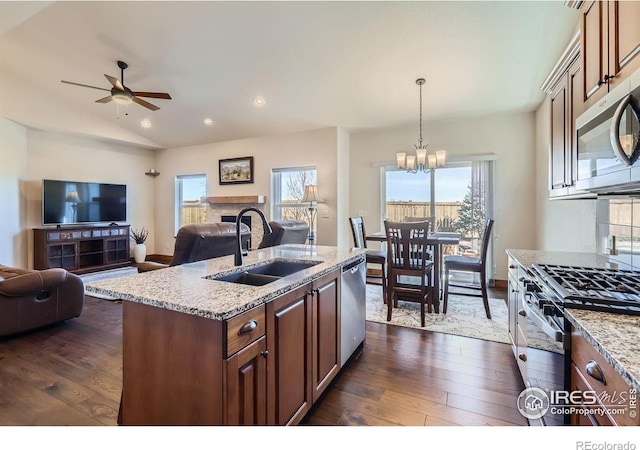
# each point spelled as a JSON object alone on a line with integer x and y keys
{"x": 510, "y": 137}
{"x": 66, "y": 157}
{"x": 313, "y": 148}
{"x": 562, "y": 225}
{"x": 345, "y": 238}
{"x": 13, "y": 173}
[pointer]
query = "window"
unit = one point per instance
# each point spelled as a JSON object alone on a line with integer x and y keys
{"x": 287, "y": 190}
{"x": 189, "y": 209}
{"x": 462, "y": 195}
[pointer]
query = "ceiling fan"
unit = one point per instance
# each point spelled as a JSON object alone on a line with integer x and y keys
{"x": 121, "y": 94}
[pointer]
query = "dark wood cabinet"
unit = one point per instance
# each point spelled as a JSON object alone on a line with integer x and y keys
{"x": 289, "y": 362}
{"x": 559, "y": 136}
{"x": 326, "y": 332}
{"x": 303, "y": 341}
{"x": 246, "y": 385}
{"x": 81, "y": 249}
{"x": 615, "y": 401}
{"x": 267, "y": 365}
{"x": 610, "y": 46}
{"x": 566, "y": 105}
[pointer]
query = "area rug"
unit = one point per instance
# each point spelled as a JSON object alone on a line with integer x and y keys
{"x": 106, "y": 275}
{"x": 465, "y": 316}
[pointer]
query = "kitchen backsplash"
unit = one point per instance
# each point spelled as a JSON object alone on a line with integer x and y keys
{"x": 619, "y": 221}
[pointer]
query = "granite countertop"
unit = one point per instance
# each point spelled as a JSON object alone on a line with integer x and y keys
{"x": 614, "y": 336}
{"x": 187, "y": 289}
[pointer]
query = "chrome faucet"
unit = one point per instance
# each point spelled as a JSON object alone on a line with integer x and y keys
{"x": 266, "y": 228}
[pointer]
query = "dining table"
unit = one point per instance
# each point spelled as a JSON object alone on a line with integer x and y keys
{"x": 437, "y": 240}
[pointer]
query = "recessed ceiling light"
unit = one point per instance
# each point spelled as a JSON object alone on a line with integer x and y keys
{"x": 208, "y": 121}
{"x": 259, "y": 101}
{"x": 146, "y": 123}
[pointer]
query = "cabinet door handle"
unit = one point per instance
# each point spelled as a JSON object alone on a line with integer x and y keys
{"x": 523, "y": 313}
{"x": 594, "y": 371}
{"x": 605, "y": 80}
{"x": 248, "y": 327}
{"x": 264, "y": 354}
{"x": 522, "y": 357}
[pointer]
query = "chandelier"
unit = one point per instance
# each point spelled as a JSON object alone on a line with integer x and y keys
{"x": 421, "y": 161}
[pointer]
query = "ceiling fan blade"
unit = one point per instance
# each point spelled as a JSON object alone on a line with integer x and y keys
{"x": 153, "y": 95}
{"x": 115, "y": 82}
{"x": 104, "y": 100}
{"x": 85, "y": 85}
{"x": 148, "y": 105}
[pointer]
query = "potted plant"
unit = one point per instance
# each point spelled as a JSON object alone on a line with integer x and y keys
{"x": 140, "y": 249}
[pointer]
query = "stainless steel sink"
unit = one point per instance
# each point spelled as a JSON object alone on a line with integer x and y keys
{"x": 266, "y": 273}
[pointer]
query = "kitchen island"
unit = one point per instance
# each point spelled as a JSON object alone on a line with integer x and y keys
{"x": 202, "y": 351}
{"x": 602, "y": 354}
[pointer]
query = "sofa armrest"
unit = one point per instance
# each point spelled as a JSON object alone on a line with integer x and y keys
{"x": 32, "y": 282}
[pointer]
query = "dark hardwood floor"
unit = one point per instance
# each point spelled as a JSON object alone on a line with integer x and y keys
{"x": 71, "y": 374}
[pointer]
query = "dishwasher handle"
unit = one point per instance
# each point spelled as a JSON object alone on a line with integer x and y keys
{"x": 352, "y": 266}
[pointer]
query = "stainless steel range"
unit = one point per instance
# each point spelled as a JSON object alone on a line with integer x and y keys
{"x": 608, "y": 290}
{"x": 545, "y": 291}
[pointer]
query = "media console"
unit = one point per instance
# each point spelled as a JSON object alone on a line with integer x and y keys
{"x": 81, "y": 249}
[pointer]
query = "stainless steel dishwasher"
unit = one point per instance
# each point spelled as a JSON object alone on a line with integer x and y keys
{"x": 352, "y": 308}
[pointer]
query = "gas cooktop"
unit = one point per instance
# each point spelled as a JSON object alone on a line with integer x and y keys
{"x": 609, "y": 290}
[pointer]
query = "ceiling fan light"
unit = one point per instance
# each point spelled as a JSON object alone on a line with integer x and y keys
{"x": 122, "y": 98}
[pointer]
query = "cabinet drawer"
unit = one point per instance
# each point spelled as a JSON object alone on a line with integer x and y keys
{"x": 242, "y": 330}
{"x": 578, "y": 383}
{"x": 614, "y": 392}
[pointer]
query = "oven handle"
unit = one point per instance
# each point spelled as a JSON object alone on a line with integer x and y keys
{"x": 554, "y": 333}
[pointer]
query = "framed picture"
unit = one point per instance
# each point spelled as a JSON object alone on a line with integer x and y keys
{"x": 236, "y": 170}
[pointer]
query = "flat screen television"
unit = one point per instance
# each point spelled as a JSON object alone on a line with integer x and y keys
{"x": 75, "y": 202}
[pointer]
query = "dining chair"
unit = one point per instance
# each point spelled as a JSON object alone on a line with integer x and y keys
{"x": 407, "y": 259}
{"x": 420, "y": 219}
{"x": 470, "y": 264}
{"x": 373, "y": 256}
{"x": 417, "y": 219}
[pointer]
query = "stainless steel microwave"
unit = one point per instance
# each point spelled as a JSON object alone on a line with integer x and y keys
{"x": 608, "y": 136}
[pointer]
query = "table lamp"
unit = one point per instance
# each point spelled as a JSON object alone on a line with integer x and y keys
{"x": 311, "y": 196}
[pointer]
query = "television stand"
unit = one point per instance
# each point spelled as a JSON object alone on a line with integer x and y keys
{"x": 81, "y": 249}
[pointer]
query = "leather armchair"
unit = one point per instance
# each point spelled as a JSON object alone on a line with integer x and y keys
{"x": 197, "y": 242}
{"x": 31, "y": 299}
{"x": 286, "y": 232}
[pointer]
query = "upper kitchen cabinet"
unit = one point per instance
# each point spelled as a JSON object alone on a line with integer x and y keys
{"x": 564, "y": 86}
{"x": 610, "y": 45}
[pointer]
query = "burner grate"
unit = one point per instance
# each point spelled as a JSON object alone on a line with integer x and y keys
{"x": 594, "y": 289}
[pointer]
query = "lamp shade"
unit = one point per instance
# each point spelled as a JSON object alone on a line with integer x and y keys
{"x": 311, "y": 194}
{"x": 72, "y": 197}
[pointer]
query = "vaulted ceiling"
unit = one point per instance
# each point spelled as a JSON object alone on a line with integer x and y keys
{"x": 316, "y": 64}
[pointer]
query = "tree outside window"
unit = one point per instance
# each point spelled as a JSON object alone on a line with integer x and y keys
{"x": 288, "y": 191}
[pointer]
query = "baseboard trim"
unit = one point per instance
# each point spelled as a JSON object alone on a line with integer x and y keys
{"x": 501, "y": 283}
